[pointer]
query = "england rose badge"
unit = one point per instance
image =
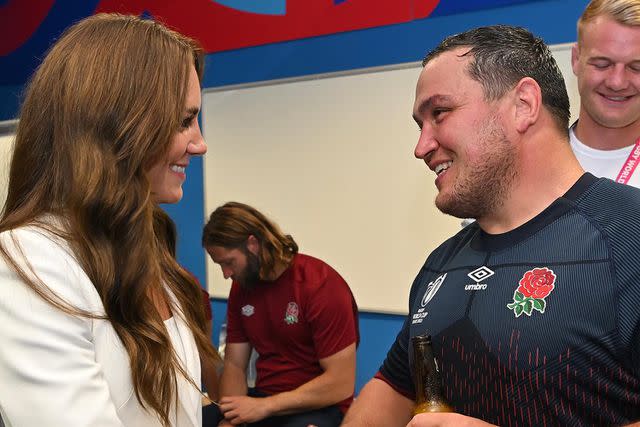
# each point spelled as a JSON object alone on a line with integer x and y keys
{"x": 533, "y": 288}
{"x": 291, "y": 315}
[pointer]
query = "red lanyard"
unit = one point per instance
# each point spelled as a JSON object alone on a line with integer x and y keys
{"x": 630, "y": 165}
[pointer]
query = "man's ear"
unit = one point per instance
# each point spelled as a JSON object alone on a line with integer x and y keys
{"x": 528, "y": 99}
{"x": 253, "y": 245}
{"x": 575, "y": 58}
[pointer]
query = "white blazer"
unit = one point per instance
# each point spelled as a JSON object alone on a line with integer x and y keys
{"x": 62, "y": 370}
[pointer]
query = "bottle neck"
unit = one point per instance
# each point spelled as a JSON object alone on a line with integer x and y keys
{"x": 428, "y": 383}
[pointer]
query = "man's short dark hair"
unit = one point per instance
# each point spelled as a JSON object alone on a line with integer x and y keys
{"x": 502, "y": 55}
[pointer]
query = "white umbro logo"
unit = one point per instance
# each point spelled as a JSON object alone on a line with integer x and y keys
{"x": 248, "y": 310}
{"x": 478, "y": 275}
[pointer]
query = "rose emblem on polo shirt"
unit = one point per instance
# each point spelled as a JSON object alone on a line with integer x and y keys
{"x": 534, "y": 287}
{"x": 291, "y": 315}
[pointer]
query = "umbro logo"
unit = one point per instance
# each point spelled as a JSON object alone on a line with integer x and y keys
{"x": 478, "y": 275}
{"x": 248, "y": 310}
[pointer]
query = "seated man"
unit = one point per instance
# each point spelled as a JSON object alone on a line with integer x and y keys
{"x": 296, "y": 311}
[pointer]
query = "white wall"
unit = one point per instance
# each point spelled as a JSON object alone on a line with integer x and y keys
{"x": 6, "y": 146}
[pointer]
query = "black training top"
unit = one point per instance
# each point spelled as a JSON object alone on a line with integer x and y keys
{"x": 540, "y": 325}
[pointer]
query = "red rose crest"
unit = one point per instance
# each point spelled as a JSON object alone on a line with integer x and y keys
{"x": 534, "y": 287}
{"x": 291, "y": 315}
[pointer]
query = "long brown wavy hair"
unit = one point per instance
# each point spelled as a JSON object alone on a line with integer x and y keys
{"x": 231, "y": 224}
{"x": 101, "y": 110}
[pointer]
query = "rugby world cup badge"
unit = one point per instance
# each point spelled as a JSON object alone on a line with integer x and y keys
{"x": 432, "y": 288}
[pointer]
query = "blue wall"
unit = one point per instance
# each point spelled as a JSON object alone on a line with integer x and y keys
{"x": 553, "y": 20}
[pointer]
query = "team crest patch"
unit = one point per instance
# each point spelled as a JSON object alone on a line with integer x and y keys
{"x": 248, "y": 310}
{"x": 533, "y": 288}
{"x": 291, "y": 315}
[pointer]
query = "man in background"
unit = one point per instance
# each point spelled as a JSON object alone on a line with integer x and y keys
{"x": 606, "y": 61}
{"x": 298, "y": 314}
{"x": 533, "y": 308}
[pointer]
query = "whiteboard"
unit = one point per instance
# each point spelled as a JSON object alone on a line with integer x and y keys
{"x": 330, "y": 159}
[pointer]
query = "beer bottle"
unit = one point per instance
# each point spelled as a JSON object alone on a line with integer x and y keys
{"x": 429, "y": 391}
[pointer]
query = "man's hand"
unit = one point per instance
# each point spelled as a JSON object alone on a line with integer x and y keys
{"x": 442, "y": 419}
{"x": 244, "y": 409}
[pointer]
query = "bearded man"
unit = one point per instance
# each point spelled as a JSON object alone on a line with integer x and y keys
{"x": 295, "y": 311}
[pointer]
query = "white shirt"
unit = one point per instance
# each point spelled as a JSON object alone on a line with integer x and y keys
{"x": 58, "y": 369}
{"x": 603, "y": 163}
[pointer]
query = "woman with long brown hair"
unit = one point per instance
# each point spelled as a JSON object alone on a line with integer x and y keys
{"x": 99, "y": 325}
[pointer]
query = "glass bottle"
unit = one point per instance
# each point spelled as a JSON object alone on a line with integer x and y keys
{"x": 429, "y": 390}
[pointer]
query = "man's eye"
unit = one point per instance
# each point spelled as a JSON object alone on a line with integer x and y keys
{"x": 438, "y": 113}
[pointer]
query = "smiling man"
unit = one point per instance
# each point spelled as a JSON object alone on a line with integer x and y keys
{"x": 606, "y": 61}
{"x": 533, "y": 308}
